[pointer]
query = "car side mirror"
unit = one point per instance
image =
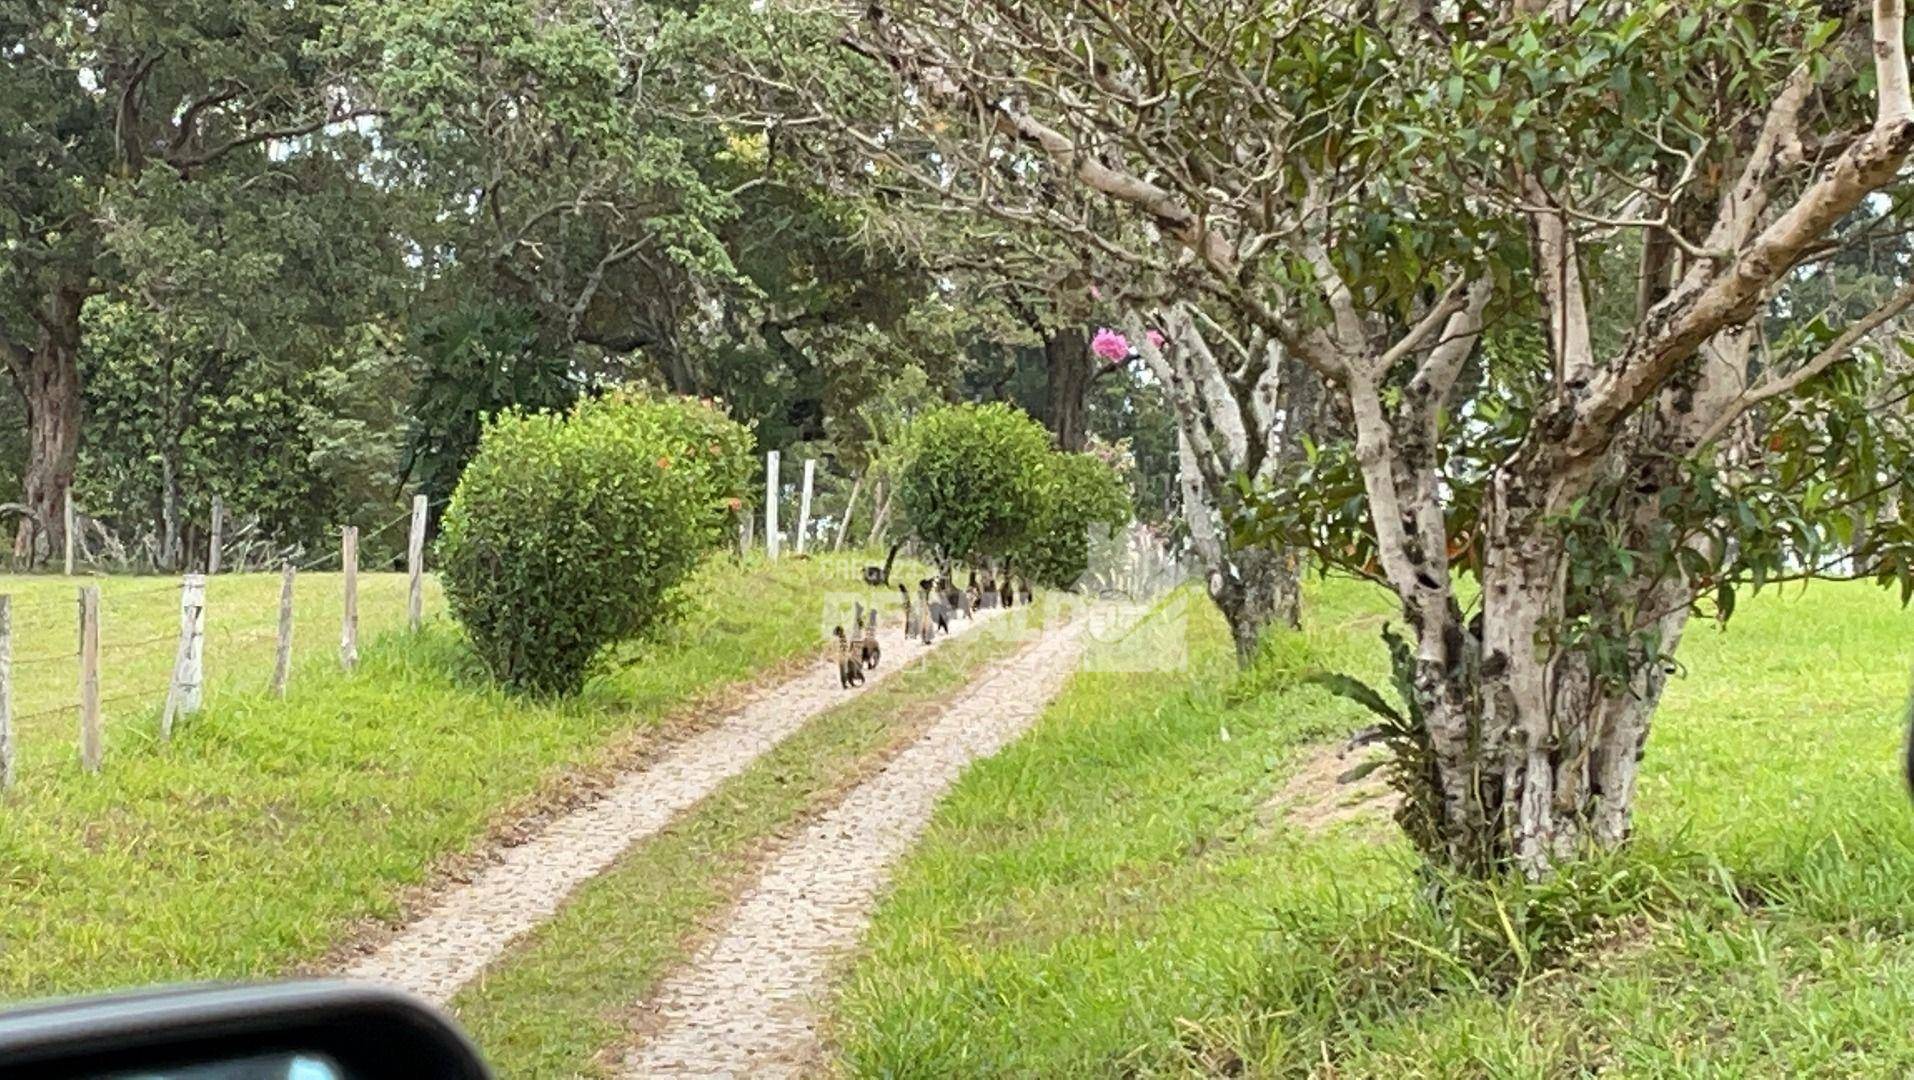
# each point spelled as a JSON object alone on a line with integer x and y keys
{"x": 312, "y": 1030}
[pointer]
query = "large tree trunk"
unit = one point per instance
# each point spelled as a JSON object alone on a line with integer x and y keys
{"x": 1255, "y": 588}
{"x": 1070, "y": 370}
{"x": 1534, "y": 745}
{"x": 48, "y": 380}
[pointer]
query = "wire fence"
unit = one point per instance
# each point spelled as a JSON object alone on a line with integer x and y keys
{"x": 117, "y": 659}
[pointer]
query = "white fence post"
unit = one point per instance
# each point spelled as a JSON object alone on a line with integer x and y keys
{"x": 282, "y": 659}
{"x": 804, "y": 504}
{"x": 183, "y": 697}
{"x": 92, "y": 738}
{"x": 69, "y": 531}
{"x": 349, "y": 622}
{"x": 6, "y": 692}
{"x": 219, "y": 527}
{"x": 771, "y": 504}
{"x": 415, "y": 565}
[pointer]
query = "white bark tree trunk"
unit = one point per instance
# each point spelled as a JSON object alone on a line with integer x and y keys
{"x": 1228, "y": 428}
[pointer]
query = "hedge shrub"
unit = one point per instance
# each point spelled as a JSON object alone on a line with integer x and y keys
{"x": 969, "y": 483}
{"x": 1077, "y": 492}
{"x": 570, "y": 533}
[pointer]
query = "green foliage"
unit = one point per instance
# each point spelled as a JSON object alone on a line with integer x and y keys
{"x": 1129, "y": 884}
{"x": 474, "y": 363}
{"x": 308, "y": 815}
{"x": 296, "y": 442}
{"x": 1077, "y": 493}
{"x": 1411, "y": 762}
{"x": 971, "y": 481}
{"x": 569, "y": 534}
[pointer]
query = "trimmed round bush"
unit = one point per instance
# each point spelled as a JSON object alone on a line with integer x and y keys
{"x": 969, "y": 485}
{"x": 1077, "y": 492}
{"x": 570, "y": 533}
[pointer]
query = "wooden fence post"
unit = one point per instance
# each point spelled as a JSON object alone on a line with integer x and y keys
{"x": 183, "y": 696}
{"x": 844, "y": 523}
{"x": 771, "y": 503}
{"x": 92, "y": 739}
{"x": 212, "y": 545}
{"x": 804, "y": 504}
{"x": 349, "y": 624}
{"x": 69, "y": 531}
{"x": 415, "y": 565}
{"x": 282, "y": 660}
{"x": 6, "y": 692}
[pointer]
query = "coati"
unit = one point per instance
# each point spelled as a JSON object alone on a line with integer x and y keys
{"x": 875, "y": 576}
{"x": 848, "y": 673}
{"x": 910, "y": 613}
{"x": 988, "y": 598}
{"x": 936, "y": 610}
{"x": 1007, "y": 597}
{"x": 1023, "y": 591}
{"x": 972, "y": 600}
{"x": 928, "y": 622}
{"x": 871, "y": 651}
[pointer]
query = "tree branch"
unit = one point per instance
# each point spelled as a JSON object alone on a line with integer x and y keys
{"x": 1774, "y": 383}
{"x": 1712, "y": 299}
{"x": 185, "y": 164}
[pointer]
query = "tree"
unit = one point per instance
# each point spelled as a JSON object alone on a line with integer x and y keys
{"x": 1416, "y": 213}
{"x": 477, "y": 358}
{"x": 572, "y": 188}
{"x": 102, "y": 108}
{"x": 293, "y": 444}
{"x": 918, "y": 105}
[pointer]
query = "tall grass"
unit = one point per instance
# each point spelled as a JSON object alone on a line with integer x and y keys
{"x": 268, "y": 829}
{"x": 1116, "y": 895}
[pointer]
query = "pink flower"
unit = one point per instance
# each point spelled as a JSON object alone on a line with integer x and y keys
{"x": 1110, "y": 345}
{"x": 1096, "y": 293}
{"x": 1156, "y": 337}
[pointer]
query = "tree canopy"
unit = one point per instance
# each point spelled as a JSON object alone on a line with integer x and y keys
{"x": 1600, "y": 304}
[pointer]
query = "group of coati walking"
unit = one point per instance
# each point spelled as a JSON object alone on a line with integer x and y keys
{"x": 938, "y": 600}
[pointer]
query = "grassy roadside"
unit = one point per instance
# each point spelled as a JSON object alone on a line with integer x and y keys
{"x": 267, "y": 829}
{"x": 139, "y": 627}
{"x": 566, "y": 993}
{"x": 1111, "y": 897}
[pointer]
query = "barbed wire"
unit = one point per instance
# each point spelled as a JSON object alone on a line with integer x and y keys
{"x": 117, "y": 646}
{"x": 34, "y": 603}
{"x": 330, "y": 554}
{"x": 130, "y": 694}
{"x": 119, "y": 595}
{"x": 45, "y": 658}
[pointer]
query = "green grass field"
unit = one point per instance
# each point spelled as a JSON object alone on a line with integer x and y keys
{"x": 1116, "y": 896}
{"x": 267, "y": 830}
{"x": 139, "y": 628}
